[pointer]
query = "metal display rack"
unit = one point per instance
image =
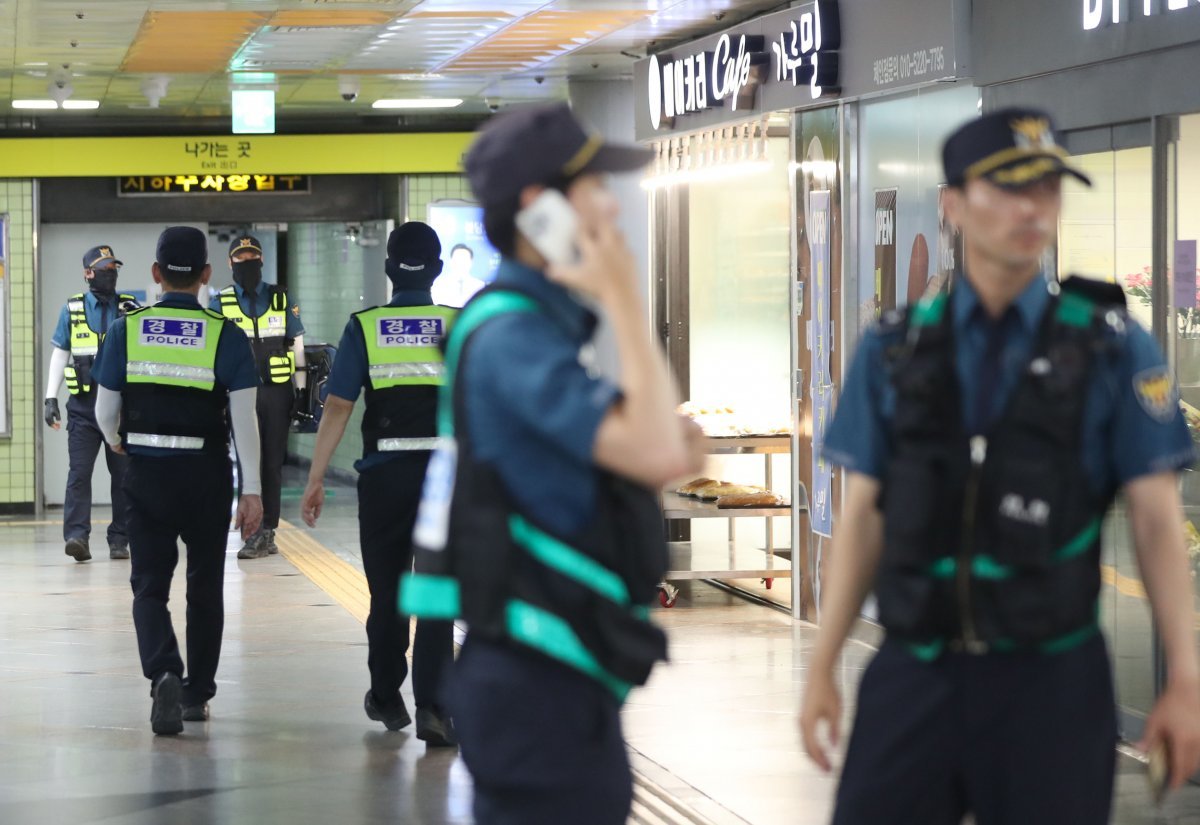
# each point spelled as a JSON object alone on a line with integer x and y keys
{"x": 724, "y": 560}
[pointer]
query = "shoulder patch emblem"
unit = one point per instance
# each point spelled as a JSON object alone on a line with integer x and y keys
{"x": 296, "y": 310}
{"x": 1155, "y": 391}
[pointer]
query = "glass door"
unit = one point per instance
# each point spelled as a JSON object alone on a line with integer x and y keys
{"x": 1106, "y": 233}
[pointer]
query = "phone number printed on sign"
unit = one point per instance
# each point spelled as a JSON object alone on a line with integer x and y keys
{"x": 902, "y": 67}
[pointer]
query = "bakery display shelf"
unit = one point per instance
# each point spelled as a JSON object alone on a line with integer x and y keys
{"x": 749, "y": 445}
{"x": 676, "y": 506}
{"x": 722, "y": 560}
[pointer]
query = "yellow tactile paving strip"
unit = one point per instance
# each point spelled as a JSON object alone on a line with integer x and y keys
{"x": 325, "y": 569}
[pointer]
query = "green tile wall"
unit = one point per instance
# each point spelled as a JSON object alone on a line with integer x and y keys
{"x": 326, "y": 279}
{"x": 17, "y": 455}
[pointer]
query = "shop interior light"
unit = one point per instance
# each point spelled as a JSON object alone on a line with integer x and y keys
{"x": 35, "y": 104}
{"x": 417, "y": 103}
{"x": 81, "y": 104}
{"x": 708, "y": 174}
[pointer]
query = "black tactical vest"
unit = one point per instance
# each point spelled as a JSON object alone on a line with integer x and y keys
{"x": 581, "y": 600}
{"x": 992, "y": 542}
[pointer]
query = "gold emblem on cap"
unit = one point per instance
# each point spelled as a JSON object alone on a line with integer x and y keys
{"x": 1033, "y": 133}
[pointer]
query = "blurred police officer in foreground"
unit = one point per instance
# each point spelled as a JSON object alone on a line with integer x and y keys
{"x": 985, "y": 433}
{"x": 539, "y": 522}
{"x": 393, "y": 352}
{"x": 82, "y": 325}
{"x": 174, "y": 377}
{"x": 276, "y": 334}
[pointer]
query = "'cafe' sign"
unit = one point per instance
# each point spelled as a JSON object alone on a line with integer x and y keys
{"x": 804, "y": 53}
{"x": 1097, "y": 13}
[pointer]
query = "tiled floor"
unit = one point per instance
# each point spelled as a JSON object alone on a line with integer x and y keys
{"x": 288, "y": 742}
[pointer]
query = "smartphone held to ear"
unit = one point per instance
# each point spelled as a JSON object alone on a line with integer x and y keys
{"x": 551, "y": 227}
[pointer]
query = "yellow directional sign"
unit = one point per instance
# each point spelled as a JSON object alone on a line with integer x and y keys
{"x": 365, "y": 154}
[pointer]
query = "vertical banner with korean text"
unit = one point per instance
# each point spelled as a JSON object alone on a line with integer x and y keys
{"x": 821, "y": 344}
{"x": 885, "y": 250}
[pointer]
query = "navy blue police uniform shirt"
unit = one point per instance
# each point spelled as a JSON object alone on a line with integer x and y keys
{"x": 235, "y": 369}
{"x": 262, "y": 303}
{"x": 1131, "y": 427}
{"x": 351, "y": 373}
{"x": 94, "y": 312}
{"x": 533, "y": 409}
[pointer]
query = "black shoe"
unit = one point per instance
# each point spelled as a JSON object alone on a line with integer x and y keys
{"x": 118, "y": 551}
{"x": 166, "y": 714}
{"x": 394, "y": 717}
{"x": 254, "y": 548}
{"x": 435, "y": 730}
{"x": 196, "y": 713}
{"x": 77, "y": 549}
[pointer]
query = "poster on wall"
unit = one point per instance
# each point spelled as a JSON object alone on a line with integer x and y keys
{"x": 5, "y": 354}
{"x": 820, "y": 344}
{"x": 950, "y": 244}
{"x": 469, "y": 261}
{"x": 885, "y": 250}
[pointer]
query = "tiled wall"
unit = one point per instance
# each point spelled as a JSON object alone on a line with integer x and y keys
{"x": 326, "y": 279}
{"x": 17, "y": 454}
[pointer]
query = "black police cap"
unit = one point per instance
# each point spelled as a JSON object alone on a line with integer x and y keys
{"x": 243, "y": 242}
{"x": 533, "y": 145}
{"x": 182, "y": 249}
{"x": 414, "y": 244}
{"x": 99, "y": 257}
{"x": 1009, "y": 147}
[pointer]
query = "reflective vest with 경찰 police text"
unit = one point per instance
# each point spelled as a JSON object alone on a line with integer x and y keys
{"x": 171, "y": 398}
{"x": 405, "y": 367}
{"x": 267, "y": 333}
{"x": 84, "y": 342}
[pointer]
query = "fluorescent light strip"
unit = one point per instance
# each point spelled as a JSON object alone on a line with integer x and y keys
{"x": 417, "y": 103}
{"x": 34, "y": 104}
{"x": 81, "y": 104}
{"x": 707, "y": 174}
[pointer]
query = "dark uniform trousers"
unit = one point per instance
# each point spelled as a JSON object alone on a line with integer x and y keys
{"x": 388, "y": 496}
{"x": 543, "y": 742}
{"x": 179, "y": 497}
{"x": 84, "y": 442}
{"x": 274, "y": 407}
{"x": 1017, "y": 739}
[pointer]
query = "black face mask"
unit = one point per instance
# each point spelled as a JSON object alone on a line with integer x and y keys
{"x": 103, "y": 282}
{"x": 248, "y": 274}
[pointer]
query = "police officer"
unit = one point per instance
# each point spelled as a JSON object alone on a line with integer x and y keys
{"x": 276, "y": 334}
{"x": 84, "y": 321}
{"x": 985, "y": 433}
{"x": 393, "y": 352}
{"x": 539, "y": 521}
{"x": 173, "y": 378}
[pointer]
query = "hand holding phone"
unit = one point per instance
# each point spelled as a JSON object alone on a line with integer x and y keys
{"x": 551, "y": 227}
{"x": 1158, "y": 772}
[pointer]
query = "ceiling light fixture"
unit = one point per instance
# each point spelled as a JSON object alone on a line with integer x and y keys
{"x": 81, "y": 104}
{"x": 35, "y": 104}
{"x": 417, "y": 103}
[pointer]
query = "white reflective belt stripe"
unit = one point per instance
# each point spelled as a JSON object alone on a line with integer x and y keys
{"x": 153, "y": 369}
{"x": 168, "y": 442}
{"x": 272, "y": 333}
{"x": 424, "y": 369}
{"x": 77, "y": 351}
{"x": 398, "y": 445}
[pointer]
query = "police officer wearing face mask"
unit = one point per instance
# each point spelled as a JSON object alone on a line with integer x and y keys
{"x": 393, "y": 352}
{"x": 276, "y": 333}
{"x": 82, "y": 326}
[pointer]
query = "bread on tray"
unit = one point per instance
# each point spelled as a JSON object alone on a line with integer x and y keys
{"x": 690, "y": 488}
{"x": 762, "y": 498}
{"x": 712, "y": 492}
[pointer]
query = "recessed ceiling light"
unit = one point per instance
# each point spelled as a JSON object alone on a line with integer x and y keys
{"x": 81, "y": 104}
{"x": 417, "y": 103}
{"x": 35, "y": 104}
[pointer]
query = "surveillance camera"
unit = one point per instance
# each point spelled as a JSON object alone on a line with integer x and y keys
{"x": 492, "y": 103}
{"x": 60, "y": 83}
{"x": 719, "y": 16}
{"x": 539, "y": 80}
{"x": 348, "y": 88}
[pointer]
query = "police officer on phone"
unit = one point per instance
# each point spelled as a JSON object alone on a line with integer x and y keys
{"x": 173, "y": 379}
{"x": 539, "y": 522}
{"x": 82, "y": 325}
{"x": 276, "y": 334}
{"x": 393, "y": 352}
{"x": 985, "y": 433}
